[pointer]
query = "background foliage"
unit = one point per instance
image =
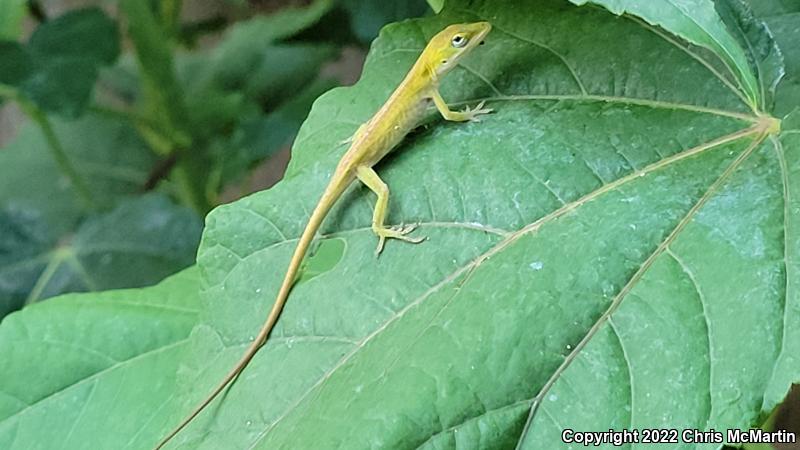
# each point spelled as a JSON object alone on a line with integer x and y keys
{"x": 633, "y": 196}
{"x": 168, "y": 122}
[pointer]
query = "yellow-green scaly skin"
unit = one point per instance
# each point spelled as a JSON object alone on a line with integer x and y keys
{"x": 373, "y": 140}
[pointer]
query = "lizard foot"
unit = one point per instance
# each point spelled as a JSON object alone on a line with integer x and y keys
{"x": 398, "y": 232}
{"x": 473, "y": 115}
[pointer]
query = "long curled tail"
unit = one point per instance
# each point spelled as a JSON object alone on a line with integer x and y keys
{"x": 332, "y": 192}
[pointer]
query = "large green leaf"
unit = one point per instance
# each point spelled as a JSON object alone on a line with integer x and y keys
{"x": 92, "y": 378}
{"x": 622, "y": 202}
{"x": 614, "y": 247}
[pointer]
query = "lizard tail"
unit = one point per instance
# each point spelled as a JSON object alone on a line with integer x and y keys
{"x": 332, "y": 192}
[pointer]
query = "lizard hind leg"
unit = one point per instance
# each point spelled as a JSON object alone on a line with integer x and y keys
{"x": 371, "y": 179}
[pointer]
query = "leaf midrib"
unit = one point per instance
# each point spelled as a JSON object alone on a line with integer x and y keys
{"x": 562, "y": 97}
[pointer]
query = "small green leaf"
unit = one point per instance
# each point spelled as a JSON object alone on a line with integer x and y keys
{"x": 67, "y": 53}
{"x": 698, "y": 22}
{"x": 763, "y": 54}
{"x": 24, "y": 245}
{"x": 248, "y": 37}
{"x": 62, "y": 86}
{"x": 251, "y": 46}
{"x": 85, "y": 34}
{"x": 782, "y": 20}
{"x": 270, "y": 83}
{"x": 138, "y": 243}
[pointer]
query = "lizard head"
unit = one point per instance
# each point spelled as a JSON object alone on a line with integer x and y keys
{"x": 453, "y": 43}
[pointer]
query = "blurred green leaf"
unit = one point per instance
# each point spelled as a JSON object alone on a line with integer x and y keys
{"x": 248, "y": 46}
{"x": 248, "y": 96}
{"x": 38, "y": 201}
{"x": 24, "y": 244}
{"x": 136, "y": 244}
{"x": 267, "y": 76}
{"x": 61, "y": 86}
{"x": 247, "y": 38}
{"x": 259, "y": 136}
{"x": 84, "y": 34}
{"x": 267, "y": 134}
{"x": 65, "y": 55}
{"x": 282, "y": 72}
{"x": 102, "y": 349}
{"x": 11, "y": 14}
{"x": 107, "y": 151}
{"x": 367, "y": 17}
{"x": 250, "y": 59}
{"x": 16, "y": 64}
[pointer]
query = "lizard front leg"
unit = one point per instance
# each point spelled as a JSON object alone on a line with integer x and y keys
{"x": 371, "y": 179}
{"x": 471, "y": 115}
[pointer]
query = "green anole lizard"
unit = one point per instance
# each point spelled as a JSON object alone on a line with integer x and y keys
{"x": 371, "y": 142}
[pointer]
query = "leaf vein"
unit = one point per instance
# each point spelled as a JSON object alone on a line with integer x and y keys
{"x": 787, "y": 256}
{"x": 643, "y": 269}
{"x": 469, "y": 267}
{"x": 709, "y": 345}
{"x": 94, "y": 376}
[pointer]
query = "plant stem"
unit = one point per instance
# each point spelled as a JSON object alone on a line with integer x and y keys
{"x": 163, "y": 98}
{"x": 190, "y": 181}
{"x": 171, "y": 16}
{"x": 53, "y": 144}
{"x": 138, "y": 120}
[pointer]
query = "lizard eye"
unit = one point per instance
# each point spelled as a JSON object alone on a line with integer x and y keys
{"x": 459, "y": 41}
